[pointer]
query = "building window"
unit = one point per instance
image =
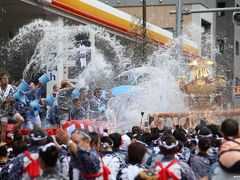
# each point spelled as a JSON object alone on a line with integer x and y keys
{"x": 221, "y": 5}
{"x": 237, "y": 81}
{"x": 220, "y": 43}
{"x": 205, "y": 43}
{"x": 237, "y": 48}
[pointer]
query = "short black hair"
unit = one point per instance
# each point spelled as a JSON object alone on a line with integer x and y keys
{"x": 97, "y": 90}
{"x": 136, "y": 130}
{"x": 230, "y": 127}
{"x": 180, "y": 145}
{"x": 205, "y": 131}
{"x": 3, "y": 151}
{"x": 147, "y": 138}
{"x": 4, "y": 72}
{"x": 94, "y": 138}
{"x": 204, "y": 144}
{"x": 169, "y": 139}
{"x": 179, "y": 134}
{"x": 38, "y": 133}
{"x": 49, "y": 155}
{"x": 136, "y": 152}
{"x": 106, "y": 141}
{"x": 19, "y": 147}
{"x": 117, "y": 139}
{"x": 54, "y": 87}
{"x": 215, "y": 129}
{"x": 155, "y": 133}
{"x": 166, "y": 131}
{"x": 17, "y": 137}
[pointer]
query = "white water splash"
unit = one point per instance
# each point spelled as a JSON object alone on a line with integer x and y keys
{"x": 156, "y": 90}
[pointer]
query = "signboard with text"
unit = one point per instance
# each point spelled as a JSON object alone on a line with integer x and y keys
{"x": 237, "y": 91}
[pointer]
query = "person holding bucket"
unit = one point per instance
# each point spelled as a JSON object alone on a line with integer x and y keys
{"x": 7, "y": 110}
{"x": 64, "y": 100}
{"x": 29, "y": 110}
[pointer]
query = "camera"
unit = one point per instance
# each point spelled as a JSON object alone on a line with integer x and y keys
{"x": 145, "y": 124}
{"x": 150, "y": 120}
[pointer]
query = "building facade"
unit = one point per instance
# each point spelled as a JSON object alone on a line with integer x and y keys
{"x": 236, "y": 57}
{"x": 158, "y": 13}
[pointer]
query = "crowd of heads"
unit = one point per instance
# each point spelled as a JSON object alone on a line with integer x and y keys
{"x": 142, "y": 153}
{"x": 67, "y": 105}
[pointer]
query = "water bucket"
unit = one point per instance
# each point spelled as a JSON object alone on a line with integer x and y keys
{"x": 118, "y": 90}
{"x": 75, "y": 93}
{"x": 49, "y": 100}
{"x": 44, "y": 79}
{"x": 23, "y": 86}
{"x": 104, "y": 93}
{"x": 19, "y": 96}
{"x": 35, "y": 106}
{"x": 101, "y": 109}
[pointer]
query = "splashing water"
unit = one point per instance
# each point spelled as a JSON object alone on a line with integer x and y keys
{"x": 157, "y": 88}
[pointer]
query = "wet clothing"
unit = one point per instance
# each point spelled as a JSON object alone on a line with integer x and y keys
{"x": 186, "y": 153}
{"x": 51, "y": 175}
{"x": 31, "y": 117}
{"x": 113, "y": 162}
{"x": 213, "y": 152}
{"x": 201, "y": 164}
{"x": 85, "y": 104}
{"x": 5, "y": 93}
{"x": 5, "y": 168}
{"x": 218, "y": 173}
{"x": 64, "y": 101}
{"x": 88, "y": 162}
{"x": 63, "y": 161}
{"x": 180, "y": 169}
{"x": 129, "y": 172}
{"x": 6, "y": 111}
{"x": 78, "y": 113}
{"x": 2, "y": 164}
{"x": 41, "y": 90}
{"x": 14, "y": 169}
{"x": 122, "y": 154}
{"x": 95, "y": 103}
{"x": 52, "y": 115}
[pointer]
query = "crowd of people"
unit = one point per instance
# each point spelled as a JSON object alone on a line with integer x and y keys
{"x": 155, "y": 152}
{"x": 83, "y": 104}
{"x": 206, "y": 152}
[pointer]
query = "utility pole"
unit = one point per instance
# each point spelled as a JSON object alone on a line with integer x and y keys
{"x": 179, "y": 26}
{"x": 144, "y": 30}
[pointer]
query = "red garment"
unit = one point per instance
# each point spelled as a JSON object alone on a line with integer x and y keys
{"x": 164, "y": 173}
{"x": 33, "y": 168}
{"x": 106, "y": 172}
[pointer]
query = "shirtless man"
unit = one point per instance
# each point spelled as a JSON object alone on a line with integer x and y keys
{"x": 7, "y": 110}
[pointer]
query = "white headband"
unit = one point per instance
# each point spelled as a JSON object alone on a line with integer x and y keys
{"x": 105, "y": 145}
{"x": 39, "y": 138}
{"x": 44, "y": 148}
{"x": 219, "y": 138}
{"x": 209, "y": 135}
{"x": 164, "y": 144}
{"x": 195, "y": 139}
